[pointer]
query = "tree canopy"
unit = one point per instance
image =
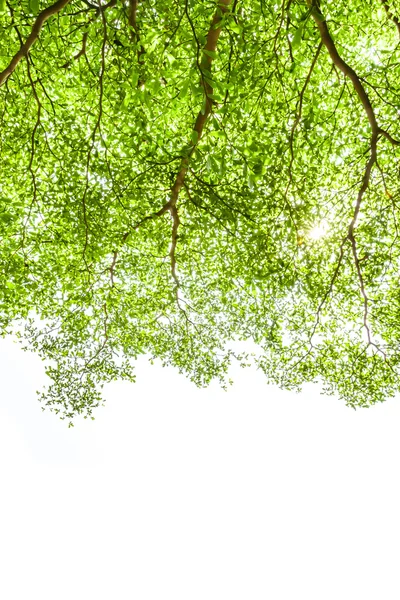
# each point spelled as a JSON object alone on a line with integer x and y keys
{"x": 178, "y": 176}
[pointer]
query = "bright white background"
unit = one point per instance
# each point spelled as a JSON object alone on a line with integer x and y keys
{"x": 174, "y": 492}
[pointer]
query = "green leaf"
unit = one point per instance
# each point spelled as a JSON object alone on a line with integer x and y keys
{"x": 170, "y": 58}
{"x": 222, "y": 167}
{"x": 184, "y": 88}
{"x": 210, "y": 53}
{"x": 126, "y": 234}
{"x": 34, "y": 6}
{"x": 317, "y": 14}
{"x": 251, "y": 181}
{"x": 235, "y": 27}
{"x": 195, "y": 137}
{"x": 135, "y": 79}
{"x": 297, "y": 36}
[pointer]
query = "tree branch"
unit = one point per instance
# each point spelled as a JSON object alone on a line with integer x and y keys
{"x": 81, "y": 52}
{"x": 338, "y": 61}
{"x": 135, "y": 34}
{"x": 32, "y": 38}
{"x": 198, "y": 128}
{"x": 376, "y": 132}
{"x": 299, "y": 110}
{"x": 150, "y": 217}
{"x": 99, "y": 11}
{"x": 390, "y": 15}
{"x": 97, "y": 127}
{"x": 342, "y": 65}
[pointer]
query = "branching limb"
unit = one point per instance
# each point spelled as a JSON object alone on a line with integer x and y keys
{"x": 387, "y": 135}
{"x": 376, "y": 131}
{"x": 328, "y": 42}
{"x": 299, "y": 109}
{"x": 150, "y": 217}
{"x": 349, "y": 72}
{"x": 364, "y": 186}
{"x": 197, "y": 131}
{"x": 133, "y": 5}
{"x": 96, "y": 128}
{"x": 351, "y": 236}
{"x": 135, "y": 34}
{"x": 99, "y": 11}
{"x": 198, "y": 128}
{"x": 175, "y": 226}
{"x": 390, "y": 15}
{"x": 32, "y": 38}
{"x": 81, "y": 52}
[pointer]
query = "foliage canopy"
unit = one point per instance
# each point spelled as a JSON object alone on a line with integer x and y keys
{"x": 178, "y": 175}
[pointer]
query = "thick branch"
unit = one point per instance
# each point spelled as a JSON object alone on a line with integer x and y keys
{"x": 198, "y": 128}
{"x": 175, "y": 226}
{"x": 364, "y": 185}
{"x": 135, "y": 34}
{"x": 170, "y": 206}
{"x": 32, "y": 38}
{"x": 350, "y": 73}
{"x": 376, "y": 132}
{"x": 391, "y": 15}
{"x": 133, "y": 4}
{"x": 81, "y": 52}
{"x": 343, "y": 66}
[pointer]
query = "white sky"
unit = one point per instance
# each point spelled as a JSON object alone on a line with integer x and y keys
{"x": 174, "y": 492}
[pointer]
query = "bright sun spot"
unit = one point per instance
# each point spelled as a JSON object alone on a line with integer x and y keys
{"x": 318, "y": 231}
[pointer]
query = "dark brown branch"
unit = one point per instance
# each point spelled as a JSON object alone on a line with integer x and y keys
{"x": 133, "y": 4}
{"x": 97, "y": 127}
{"x": 338, "y": 61}
{"x": 99, "y": 11}
{"x": 364, "y": 186}
{"x": 81, "y": 52}
{"x": 343, "y": 66}
{"x": 198, "y": 128}
{"x": 376, "y": 132}
{"x": 390, "y": 15}
{"x": 32, "y": 38}
{"x": 175, "y": 226}
{"x": 299, "y": 110}
{"x": 387, "y": 135}
{"x": 301, "y": 96}
{"x": 351, "y": 235}
{"x": 362, "y": 285}
{"x": 135, "y": 34}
